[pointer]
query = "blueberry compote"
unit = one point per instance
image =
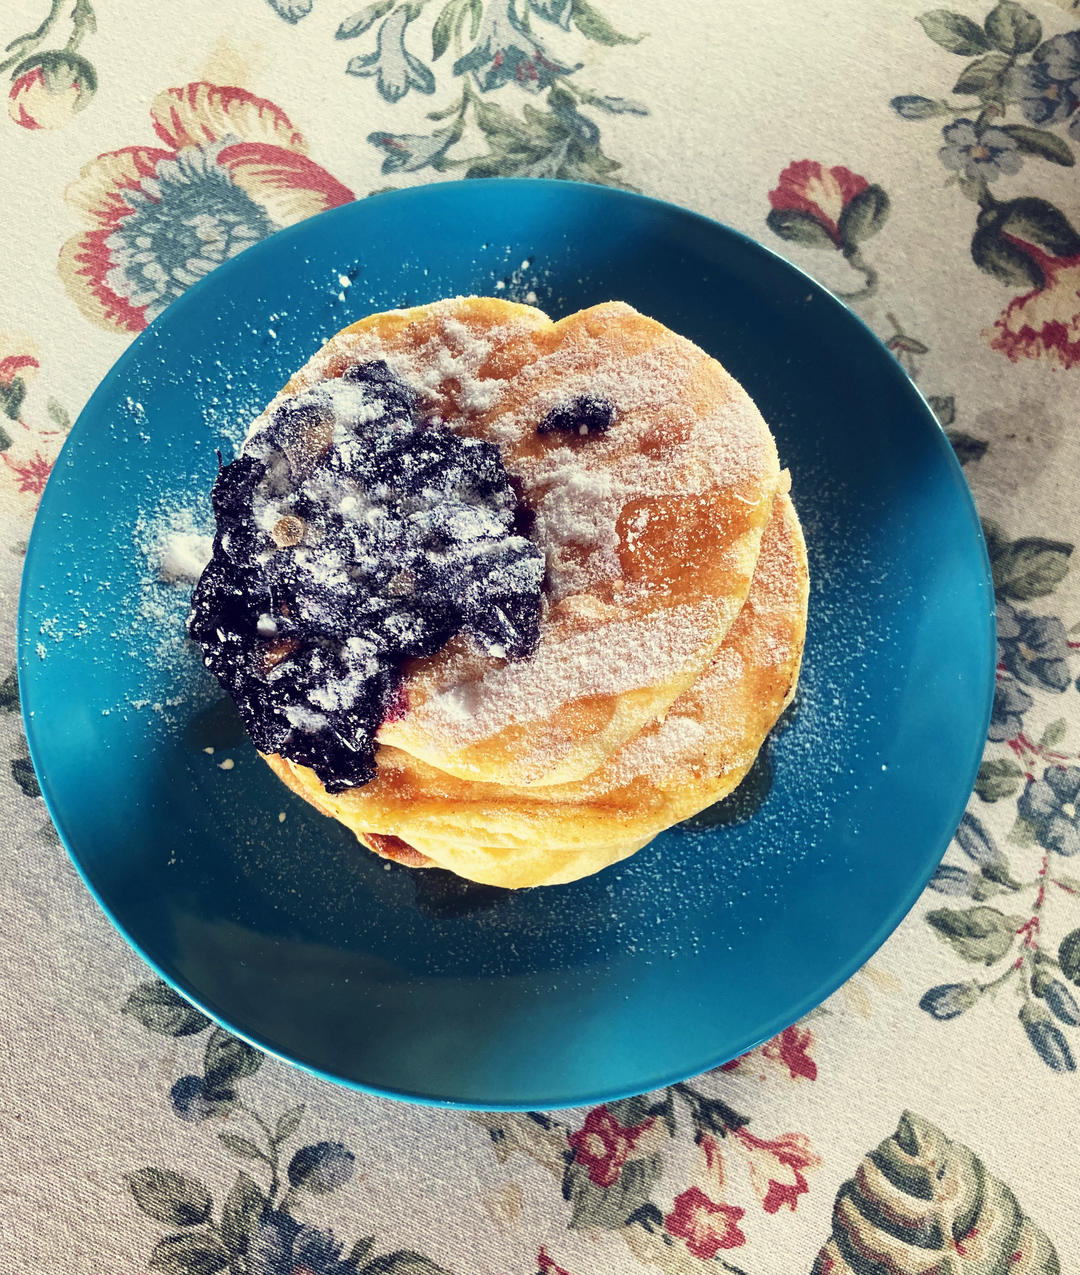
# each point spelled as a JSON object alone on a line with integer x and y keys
{"x": 354, "y": 534}
{"x": 585, "y": 414}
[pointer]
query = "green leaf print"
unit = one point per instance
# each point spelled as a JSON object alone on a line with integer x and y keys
{"x": 798, "y": 227}
{"x": 610, "y": 1207}
{"x": 980, "y": 934}
{"x": 967, "y": 447}
{"x": 22, "y": 771}
{"x": 1040, "y": 222}
{"x": 915, "y": 1200}
{"x": 242, "y": 1148}
{"x": 243, "y": 1208}
{"x": 288, "y": 1123}
{"x": 982, "y": 75}
{"x": 12, "y": 394}
{"x": 198, "y": 1253}
{"x": 164, "y": 1011}
{"x": 1041, "y": 142}
{"x": 1046, "y": 1037}
{"x": 227, "y": 1058}
{"x": 953, "y": 32}
{"x": 944, "y": 406}
{"x": 1030, "y": 567}
{"x": 864, "y": 215}
{"x": 996, "y": 256}
{"x": 168, "y": 1197}
{"x": 403, "y": 1262}
{"x": 1012, "y": 28}
{"x": 451, "y": 22}
{"x": 361, "y": 1249}
{"x": 9, "y": 693}
{"x": 59, "y": 415}
{"x": 594, "y": 26}
{"x": 998, "y": 778}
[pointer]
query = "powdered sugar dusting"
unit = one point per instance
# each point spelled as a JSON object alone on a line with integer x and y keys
{"x": 604, "y": 659}
{"x": 183, "y": 555}
{"x": 174, "y": 541}
{"x": 657, "y": 754}
{"x": 669, "y": 441}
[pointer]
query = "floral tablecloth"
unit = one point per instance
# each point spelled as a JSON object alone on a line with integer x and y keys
{"x": 921, "y": 164}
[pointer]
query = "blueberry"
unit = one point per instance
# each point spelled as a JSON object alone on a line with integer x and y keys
{"x": 296, "y": 417}
{"x": 233, "y": 490}
{"x": 382, "y": 382}
{"x": 376, "y": 372}
{"x": 399, "y": 535}
{"x": 585, "y": 414}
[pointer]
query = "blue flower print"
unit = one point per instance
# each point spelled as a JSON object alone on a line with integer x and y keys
{"x": 1011, "y": 702}
{"x": 194, "y": 1099}
{"x": 397, "y": 70}
{"x": 160, "y": 219}
{"x": 505, "y": 51}
{"x": 1049, "y": 87}
{"x": 1034, "y": 648}
{"x": 281, "y": 1246}
{"x": 1008, "y": 627}
{"x": 1050, "y": 804}
{"x": 1061, "y": 57}
{"x": 185, "y": 221}
{"x": 1043, "y": 100}
{"x": 984, "y": 155}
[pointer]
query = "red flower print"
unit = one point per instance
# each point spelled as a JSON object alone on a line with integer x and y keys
{"x": 714, "y": 1164}
{"x": 603, "y": 1145}
{"x": 792, "y": 1048}
{"x": 809, "y": 187}
{"x": 706, "y": 1227}
{"x": 28, "y": 447}
{"x": 545, "y": 1265}
{"x": 49, "y": 89}
{"x": 17, "y": 365}
{"x": 776, "y": 1167}
{"x": 1043, "y": 323}
{"x": 233, "y": 170}
{"x": 30, "y": 476}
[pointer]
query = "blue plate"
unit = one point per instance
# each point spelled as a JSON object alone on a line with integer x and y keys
{"x": 413, "y": 984}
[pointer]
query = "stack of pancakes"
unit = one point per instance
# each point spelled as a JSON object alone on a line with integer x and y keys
{"x": 674, "y": 610}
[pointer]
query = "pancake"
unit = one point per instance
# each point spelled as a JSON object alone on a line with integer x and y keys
{"x": 493, "y": 865}
{"x": 516, "y": 836}
{"x": 650, "y": 528}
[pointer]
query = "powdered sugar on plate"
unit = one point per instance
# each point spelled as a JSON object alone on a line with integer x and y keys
{"x": 173, "y": 542}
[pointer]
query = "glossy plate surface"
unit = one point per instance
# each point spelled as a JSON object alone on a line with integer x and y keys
{"x": 410, "y": 983}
